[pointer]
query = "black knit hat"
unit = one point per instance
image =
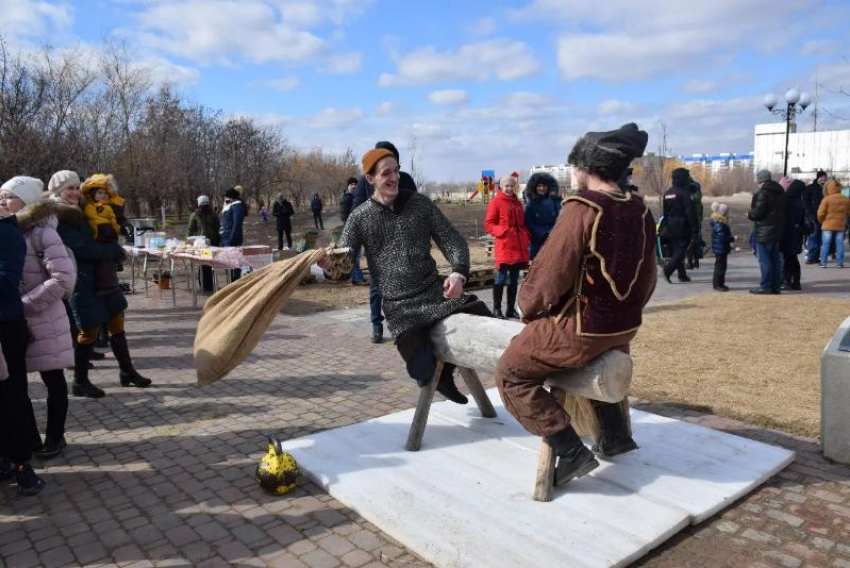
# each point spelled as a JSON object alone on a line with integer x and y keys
{"x": 231, "y": 193}
{"x": 608, "y": 154}
{"x": 388, "y": 146}
{"x": 351, "y": 180}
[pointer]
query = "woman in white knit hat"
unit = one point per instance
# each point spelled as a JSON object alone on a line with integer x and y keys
{"x": 49, "y": 276}
{"x": 91, "y": 308}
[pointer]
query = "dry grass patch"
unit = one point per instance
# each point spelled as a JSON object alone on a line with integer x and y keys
{"x": 753, "y": 358}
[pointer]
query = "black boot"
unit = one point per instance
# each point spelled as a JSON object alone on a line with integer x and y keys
{"x": 448, "y": 388}
{"x": 28, "y": 482}
{"x": 574, "y": 459}
{"x": 128, "y": 375}
{"x": 97, "y": 356}
{"x": 82, "y": 386}
{"x": 512, "y": 313}
{"x": 616, "y": 438}
{"x": 51, "y": 448}
{"x": 377, "y": 333}
{"x": 497, "y": 300}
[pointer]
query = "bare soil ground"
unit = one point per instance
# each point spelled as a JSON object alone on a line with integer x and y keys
{"x": 752, "y": 358}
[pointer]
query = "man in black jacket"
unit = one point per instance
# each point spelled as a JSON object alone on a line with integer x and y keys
{"x": 767, "y": 210}
{"x": 346, "y": 201}
{"x": 812, "y": 196}
{"x": 680, "y": 226}
{"x": 362, "y": 193}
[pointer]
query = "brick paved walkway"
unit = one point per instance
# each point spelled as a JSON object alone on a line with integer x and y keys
{"x": 164, "y": 476}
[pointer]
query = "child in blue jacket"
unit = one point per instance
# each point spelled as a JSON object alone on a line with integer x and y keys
{"x": 721, "y": 243}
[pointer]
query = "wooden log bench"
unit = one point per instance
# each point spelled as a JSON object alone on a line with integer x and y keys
{"x": 475, "y": 344}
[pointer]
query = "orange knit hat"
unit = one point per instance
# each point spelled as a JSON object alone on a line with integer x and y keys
{"x": 374, "y": 156}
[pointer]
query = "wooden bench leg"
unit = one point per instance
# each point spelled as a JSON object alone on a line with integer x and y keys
{"x": 423, "y": 407}
{"x": 544, "y": 485}
{"x": 476, "y": 389}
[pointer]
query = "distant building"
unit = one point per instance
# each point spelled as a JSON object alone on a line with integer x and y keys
{"x": 808, "y": 152}
{"x": 561, "y": 173}
{"x": 719, "y": 162}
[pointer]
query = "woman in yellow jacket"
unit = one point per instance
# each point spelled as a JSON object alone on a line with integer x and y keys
{"x": 832, "y": 215}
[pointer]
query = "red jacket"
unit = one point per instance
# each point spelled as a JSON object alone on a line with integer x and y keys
{"x": 505, "y": 220}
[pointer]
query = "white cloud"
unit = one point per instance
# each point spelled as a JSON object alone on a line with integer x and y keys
{"x": 448, "y": 97}
{"x": 388, "y": 108}
{"x": 344, "y": 64}
{"x": 164, "y": 71}
{"x": 825, "y": 47}
{"x": 33, "y": 18}
{"x": 699, "y": 86}
{"x": 333, "y": 117}
{"x": 614, "y": 106}
{"x": 284, "y": 84}
{"x": 482, "y": 27}
{"x": 259, "y": 31}
{"x": 480, "y": 61}
{"x": 664, "y": 39}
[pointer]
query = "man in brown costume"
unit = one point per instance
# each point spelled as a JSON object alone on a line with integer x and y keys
{"x": 584, "y": 295}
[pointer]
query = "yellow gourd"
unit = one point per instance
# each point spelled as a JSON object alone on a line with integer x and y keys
{"x": 277, "y": 471}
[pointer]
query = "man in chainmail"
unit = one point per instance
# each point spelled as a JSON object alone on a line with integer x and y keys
{"x": 395, "y": 226}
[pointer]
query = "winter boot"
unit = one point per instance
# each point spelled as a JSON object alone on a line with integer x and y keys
{"x": 82, "y": 386}
{"x": 28, "y": 482}
{"x": 128, "y": 375}
{"x": 448, "y": 389}
{"x": 51, "y": 448}
{"x": 574, "y": 459}
{"x": 616, "y": 438}
{"x": 7, "y": 470}
{"x": 497, "y": 300}
{"x": 97, "y": 356}
{"x": 377, "y": 333}
{"x": 511, "y": 313}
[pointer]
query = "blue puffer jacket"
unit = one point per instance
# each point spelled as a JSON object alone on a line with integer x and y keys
{"x": 721, "y": 238}
{"x": 541, "y": 212}
{"x": 231, "y": 224}
{"x": 13, "y": 251}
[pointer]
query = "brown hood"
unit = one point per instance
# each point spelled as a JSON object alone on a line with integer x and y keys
{"x": 32, "y": 214}
{"x": 70, "y": 214}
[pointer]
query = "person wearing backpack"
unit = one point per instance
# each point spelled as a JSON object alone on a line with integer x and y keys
{"x": 49, "y": 276}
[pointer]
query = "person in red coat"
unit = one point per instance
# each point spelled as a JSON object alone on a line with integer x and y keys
{"x": 505, "y": 220}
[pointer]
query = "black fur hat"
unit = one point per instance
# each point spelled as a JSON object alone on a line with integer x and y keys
{"x": 608, "y": 154}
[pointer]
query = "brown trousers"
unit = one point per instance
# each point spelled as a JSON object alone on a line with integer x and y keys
{"x": 542, "y": 348}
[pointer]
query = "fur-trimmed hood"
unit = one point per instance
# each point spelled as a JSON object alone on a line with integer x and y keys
{"x": 542, "y": 177}
{"x": 38, "y": 213}
{"x": 71, "y": 214}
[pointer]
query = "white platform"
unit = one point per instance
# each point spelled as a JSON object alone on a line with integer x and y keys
{"x": 465, "y": 498}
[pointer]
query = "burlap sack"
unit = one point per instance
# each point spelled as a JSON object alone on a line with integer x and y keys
{"x": 237, "y": 316}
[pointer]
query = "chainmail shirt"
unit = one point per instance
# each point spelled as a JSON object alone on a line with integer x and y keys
{"x": 397, "y": 240}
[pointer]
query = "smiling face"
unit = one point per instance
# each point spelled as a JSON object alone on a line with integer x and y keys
{"x": 385, "y": 179}
{"x": 101, "y": 195}
{"x": 70, "y": 194}
{"x": 9, "y": 203}
{"x": 509, "y": 186}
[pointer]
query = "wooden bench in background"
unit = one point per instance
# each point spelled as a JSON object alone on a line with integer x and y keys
{"x": 475, "y": 344}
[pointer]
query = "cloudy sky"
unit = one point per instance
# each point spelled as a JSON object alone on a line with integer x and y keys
{"x": 496, "y": 84}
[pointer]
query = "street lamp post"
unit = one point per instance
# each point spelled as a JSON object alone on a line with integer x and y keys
{"x": 794, "y": 99}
